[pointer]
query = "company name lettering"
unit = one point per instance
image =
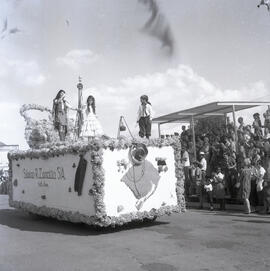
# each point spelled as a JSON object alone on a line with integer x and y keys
{"x": 40, "y": 173}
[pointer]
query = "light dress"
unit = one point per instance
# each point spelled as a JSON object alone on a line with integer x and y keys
{"x": 91, "y": 126}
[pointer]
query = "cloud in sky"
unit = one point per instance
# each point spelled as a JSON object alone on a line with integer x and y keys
{"x": 122, "y": 64}
{"x": 27, "y": 72}
{"x": 11, "y": 125}
{"x": 168, "y": 91}
{"x": 179, "y": 88}
{"x": 76, "y": 58}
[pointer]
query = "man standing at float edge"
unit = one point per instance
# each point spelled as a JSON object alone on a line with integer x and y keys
{"x": 145, "y": 115}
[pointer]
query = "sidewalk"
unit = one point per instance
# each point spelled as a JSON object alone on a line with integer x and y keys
{"x": 233, "y": 207}
{"x": 231, "y": 204}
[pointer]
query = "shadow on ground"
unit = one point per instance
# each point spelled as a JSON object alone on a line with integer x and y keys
{"x": 25, "y": 222}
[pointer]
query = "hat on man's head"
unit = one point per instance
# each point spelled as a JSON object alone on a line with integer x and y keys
{"x": 202, "y": 153}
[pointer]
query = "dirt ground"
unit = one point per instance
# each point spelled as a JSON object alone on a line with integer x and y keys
{"x": 195, "y": 240}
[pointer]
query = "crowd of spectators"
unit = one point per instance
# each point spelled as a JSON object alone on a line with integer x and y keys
{"x": 3, "y": 183}
{"x": 230, "y": 163}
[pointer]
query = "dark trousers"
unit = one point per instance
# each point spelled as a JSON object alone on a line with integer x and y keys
{"x": 260, "y": 198}
{"x": 203, "y": 176}
{"x": 221, "y": 204}
{"x": 253, "y": 198}
{"x": 200, "y": 190}
{"x": 187, "y": 181}
{"x": 231, "y": 180}
{"x": 145, "y": 125}
{"x": 210, "y": 197}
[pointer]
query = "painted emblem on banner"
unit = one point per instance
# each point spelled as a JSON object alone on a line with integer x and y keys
{"x": 142, "y": 177}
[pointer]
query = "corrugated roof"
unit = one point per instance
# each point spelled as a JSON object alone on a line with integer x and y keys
{"x": 206, "y": 110}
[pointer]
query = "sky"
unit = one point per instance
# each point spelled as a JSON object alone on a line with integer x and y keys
{"x": 221, "y": 52}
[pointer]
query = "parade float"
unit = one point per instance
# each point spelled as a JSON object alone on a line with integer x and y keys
{"x": 103, "y": 182}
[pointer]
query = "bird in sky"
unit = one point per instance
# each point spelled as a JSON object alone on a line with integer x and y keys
{"x": 4, "y": 26}
{"x": 14, "y": 30}
{"x": 153, "y": 7}
{"x": 8, "y": 31}
{"x": 158, "y": 27}
{"x": 265, "y": 3}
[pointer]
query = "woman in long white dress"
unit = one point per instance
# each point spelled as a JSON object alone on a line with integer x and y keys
{"x": 91, "y": 126}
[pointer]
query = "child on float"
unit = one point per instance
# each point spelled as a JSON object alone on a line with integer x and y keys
{"x": 145, "y": 115}
{"x": 91, "y": 126}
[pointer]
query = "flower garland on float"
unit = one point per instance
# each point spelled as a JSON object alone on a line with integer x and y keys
{"x": 96, "y": 147}
{"x": 38, "y": 132}
{"x": 44, "y": 143}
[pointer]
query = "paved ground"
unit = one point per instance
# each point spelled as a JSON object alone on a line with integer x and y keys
{"x": 196, "y": 240}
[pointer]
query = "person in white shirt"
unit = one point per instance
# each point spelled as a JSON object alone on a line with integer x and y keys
{"x": 145, "y": 115}
{"x": 260, "y": 172}
{"x": 203, "y": 161}
{"x": 186, "y": 164}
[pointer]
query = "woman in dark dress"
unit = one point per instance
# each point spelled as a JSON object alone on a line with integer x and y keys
{"x": 59, "y": 112}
